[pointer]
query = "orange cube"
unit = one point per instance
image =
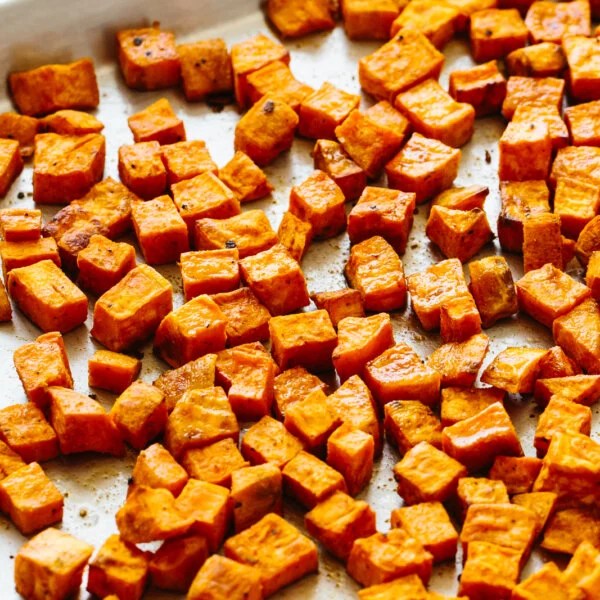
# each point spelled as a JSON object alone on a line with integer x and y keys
{"x": 514, "y": 369}
{"x": 459, "y": 319}
{"x": 20, "y": 224}
{"x": 587, "y": 242}
{"x": 582, "y": 121}
{"x": 148, "y": 58}
{"x": 548, "y": 580}
{"x": 295, "y": 235}
{"x": 319, "y": 201}
{"x": 552, "y": 22}
{"x": 434, "y": 287}
{"x": 547, "y": 90}
{"x": 71, "y": 122}
{"x": 410, "y": 422}
{"x": 187, "y": 159}
{"x": 519, "y": 200}
{"x": 580, "y": 565}
{"x": 21, "y": 128}
{"x": 338, "y": 521}
{"x": 369, "y": 20}
{"x": 424, "y": 166}
{"x": 479, "y": 490}
{"x": 10, "y": 461}
{"x": 426, "y": 474}
{"x": 430, "y": 525}
{"x": 483, "y": 87}
{"x": 459, "y": 362}
{"x": 583, "y": 57}
{"x": 525, "y": 152}
{"x": 214, "y": 463}
{"x": 205, "y": 69}
{"x": 372, "y": 138}
{"x": 376, "y": 271}
{"x": 340, "y": 304}
{"x": 65, "y": 167}
{"x": 255, "y": 492}
{"x": 540, "y": 60}
{"x": 330, "y": 157}
{"x": 131, "y": 311}
{"x": 202, "y": 417}
{"x": 155, "y": 467}
{"x": 541, "y": 112}
{"x": 296, "y": 18}
{"x": 22, "y": 254}
{"x": 518, "y": 473}
{"x": 160, "y": 230}
{"x": 70, "y": 85}
{"x": 477, "y": 440}
{"x": 459, "y": 404}
{"x": 557, "y": 364}
{"x": 11, "y": 164}
{"x": 359, "y": 341}
{"x": 209, "y": 272}
{"x": 157, "y": 122}
{"x": 48, "y": 297}
{"x": 387, "y": 213}
{"x": 249, "y": 56}
{"x": 293, "y": 385}
{"x": 435, "y": 114}
{"x": 246, "y": 180}
{"x": 577, "y": 162}
{"x": 409, "y": 586}
{"x": 579, "y": 389}
{"x": 141, "y": 169}
{"x": 277, "y": 549}
{"x": 266, "y": 130}
{"x": 269, "y": 441}
{"x": 324, "y": 110}
{"x": 406, "y": 60}
{"x": 309, "y": 480}
{"x": 496, "y": 32}
{"x": 576, "y": 202}
{"x": 119, "y": 568}
{"x": 381, "y": 557}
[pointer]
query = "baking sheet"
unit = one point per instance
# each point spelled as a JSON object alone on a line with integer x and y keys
{"x": 34, "y": 33}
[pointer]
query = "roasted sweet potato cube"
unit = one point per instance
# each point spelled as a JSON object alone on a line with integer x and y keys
{"x": 214, "y": 463}
{"x": 155, "y": 467}
{"x": 435, "y": 114}
{"x": 426, "y": 474}
{"x": 577, "y": 162}
{"x": 409, "y": 422}
{"x": 200, "y": 418}
{"x": 330, "y": 157}
{"x": 175, "y": 564}
{"x": 152, "y": 514}
{"x": 479, "y": 490}
{"x": 547, "y": 293}
{"x": 387, "y": 213}
{"x": 477, "y": 440}
{"x": 25, "y": 430}
{"x": 255, "y": 492}
{"x": 459, "y": 320}
{"x": 103, "y": 263}
{"x": 575, "y": 333}
{"x": 245, "y": 179}
{"x": 424, "y": 166}
{"x": 277, "y": 549}
{"x": 30, "y": 499}
{"x": 430, "y": 525}
{"x": 580, "y": 565}
{"x": 160, "y": 230}
{"x": 491, "y": 571}
{"x": 408, "y": 586}
{"x": 142, "y": 170}
{"x": 118, "y": 568}
{"x": 434, "y": 287}
{"x": 70, "y": 85}
{"x": 588, "y": 241}
{"x": 567, "y": 529}
{"x": 51, "y": 564}
{"x": 406, "y": 60}
{"x": 542, "y": 504}
{"x": 494, "y": 33}
{"x": 525, "y": 152}
{"x": 372, "y": 138}
{"x": 10, "y": 461}
{"x": 292, "y": 385}
{"x": 542, "y": 113}
{"x": 369, "y": 20}
{"x": 11, "y": 164}
{"x": 249, "y": 232}
{"x": 483, "y": 87}
{"x": 205, "y": 69}
{"x": 186, "y": 160}
{"x": 549, "y": 22}
{"x": 71, "y": 122}
{"x": 583, "y": 58}
{"x": 295, "y": 235}
{"x": 65, "y": 167}
{"x": 459, "y": 404}
{"x": 340, "y": 304}
{"x": 383, "y": 557}
{"x": 557, "y": 364}
{"x": 20, "y": 224}
{"x": 576, "y": 203}
{"x": 21, "y": 128}
{"x": 547, "y": 90}
{"x": 296, "y": 18}
{"x": 539, "y": 60}
{"x": 514, "y": 369}
{"x": 592, "y": 275}
{"x": 582, "y": 122}
{"x": 548, "y": 581}
{"x": 148, "y": 58}
{"x": 269, "y": 441}
{"x": 47, "y": 296}
{"x": 376, "y": 271}
{"x": 23, "y": 254}
{"x": 131, "y": 311}
{"x": 459, "y": 362}
{"x": 157, "y": 122}
{"x": 581, "y": 389}
{"x": 209, "y": 272}
{"x": 516, "y": 472}
{"x": 338, "y": 521}
{"x": 462, "y": 198}
{"x": 276, "y": 81}
{"x": 266, "y": 130}
{"x": 221, "y": 578}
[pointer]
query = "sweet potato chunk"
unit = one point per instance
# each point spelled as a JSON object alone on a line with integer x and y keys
{"x": 409, "y": 422}
{"x": 23, "y": 254}
{"x": 582, "y": 562}
{"x": 496, "y": 32}
{"x": 542, "y": 113}
{"x": 459, "y": 319}
{"x": 295, "y": 235}
{"x": 540, "y": 60}
{"x": 296, "y": 18}
{"x": 514, "y": 370}
{"x": 588, "y": 241}
{"x": 10, "y": 461}
{"x": 71, "y": 122}
{"x": 142, "y": 170}
{"x": 157, "y": 122}
{"x": 542, "y": 241}
{"x": 567, "y": 529}
{"x": 51, "y": 565}
{"x": 11, "y": 164}
{"x": 53, "y": 87}
{"x": 518, "y": 473}
{"x": 546, "y": 582}
{"x": 293, "y": 385}
{"x": 476, "y": 441}
{"x": 583, "y": 58}
{"x": 338, "y": 521}
{"x": 577, "y": 162}
{"x": 479, "y": 490}
{"x": 340, "y": 304}
{"x": 581, "y": 389}
{"x": 548, "y": 90}
{"x": 369, "y": 20}
{"x": 549, "y": 22}
{"x": 576, "y": 203}
{"x": 20, "y": 224}
{"x": 155, "y": 467}
{"x": 557, "y": 364}
{"x": 214, "y": 463}
{"x": 187, "y": 159}
{"x": 525, "y": 152}
{"x": 459, "y": 404}
{"x": 131, "y": 311}
{"x": 408, "y": 586}
{"x": 21, "y": 128}
{"x": 245, "y": 179}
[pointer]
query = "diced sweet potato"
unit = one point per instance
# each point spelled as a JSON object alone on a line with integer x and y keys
{"x": 245, "y": 179}
{"x": 576, "y": 203}
{"x": 142, "y": 170}
{"x": 479, "y": 490}
{"x": 214, "y": 463}
{"x": 131, "y": 311}
{"x": 155, "y": 467}
{"x": 459, "y": 319}
{"x": 20, "y": 224}
{"x": 157, "y": 122}
{"x": 51, "y": 565}
{"x": 187, "y": 159}
{"x": 11, "y": 164}
{"x": 518, "y": 473}
{"x": 541, "y": 112}
{"x": 496, "y": 32}
{"x": 583, "y": 57}
{"x": 582, "y": 123}
{"x": 514, "y": 369}
{"x": 10, "y": 461}
{"x": 21, "y": 128}
{"x": 548, "y": 90}
{"x": 581, "y": 389}
{"x": 577, "y": 162}
{"x": 70, "y": 85}
{"x": 542, "y": 242}
{"x": 409, "y": 422}
{"x": 71, "y": 122}
{"x": 340, "y": 304}
{"x": 338, "y": 521}
{"x": 23, "y": 254}
{"x": 296, "y": 18}
{"x": 295, "y": 235}
{"x": 542, "y": 504}
{"x": 410, "y": 586}
{"x": 582, "y": 562}
{"x": 483, "y": 87}
{"x": 525, "y": 152}
{"x": 588, "y": 241}
{"x": 567, "y": 529}
{"x": 549, "y": 22}
{"x": 557, "y": 364}
{"x": 592, "y": 275}
{"x": 369, "y": 20}
{"x": 293, "y": 385}
{"x": 546, "y": 582}
{"x": 459, "y": 404}
{"x": 540, "y": 60}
